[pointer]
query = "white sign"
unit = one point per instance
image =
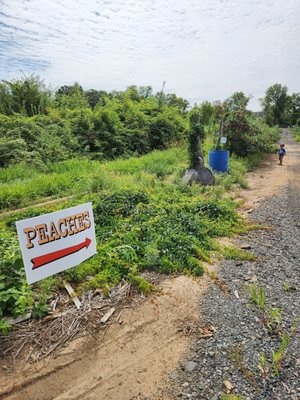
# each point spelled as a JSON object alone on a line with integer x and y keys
{"x": 223, "y": 140}
{"x": 54, "y": 242}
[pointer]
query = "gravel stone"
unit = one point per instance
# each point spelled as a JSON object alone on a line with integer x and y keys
{"x": 173, "y": 375}
{"x": 189, "y": 366}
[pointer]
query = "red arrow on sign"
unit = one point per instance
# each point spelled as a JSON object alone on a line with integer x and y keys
{"x": 56, "y": 255}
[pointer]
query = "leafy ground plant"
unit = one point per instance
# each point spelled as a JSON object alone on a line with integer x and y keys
{"x": 273, "y": 320}
{"x": 275, "y": 364}
{"x": 159, "y": 227}
{"x": 257, "y": 296}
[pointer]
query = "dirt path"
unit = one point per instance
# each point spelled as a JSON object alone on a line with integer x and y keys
{"x": 267, "y": 181}
{"x": 134, "y": 360}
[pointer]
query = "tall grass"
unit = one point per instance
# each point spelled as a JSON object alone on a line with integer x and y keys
{"x": 160, "y": 163}
{"x": 22, "y": 171}
{"x": 17, "y": 172}
{"x": 20, "y": 184}
{"x": 20, "y": 193}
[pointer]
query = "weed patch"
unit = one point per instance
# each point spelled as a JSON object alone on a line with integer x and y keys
{"x": 234, "y": 253}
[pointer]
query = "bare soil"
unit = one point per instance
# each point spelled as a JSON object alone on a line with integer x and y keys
{"x": 130, "y": 361}
{"x": 133, "y": 360}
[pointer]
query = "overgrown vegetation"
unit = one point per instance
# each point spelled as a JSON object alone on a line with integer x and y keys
{"x": 296, "y": 132}
{"x": 61, "y": 143}
{"x": 143, "y": 221}
{"x": 246, "y": 134}
{"x": 21, "y": 184}
{"x": 38, "y": 127}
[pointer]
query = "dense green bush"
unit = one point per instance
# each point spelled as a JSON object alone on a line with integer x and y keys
{"x": 27, "y": 96}
{"x": 37, "y": 127}
{"x": 34, "y": 140}
{"x": 248, "y": 135}
{"x": 296, "y": 132}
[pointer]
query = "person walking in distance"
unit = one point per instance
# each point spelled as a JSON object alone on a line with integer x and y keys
{"x": 281, "y": 153}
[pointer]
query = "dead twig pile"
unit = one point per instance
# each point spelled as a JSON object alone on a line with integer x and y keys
{"x": 34, "y": 340}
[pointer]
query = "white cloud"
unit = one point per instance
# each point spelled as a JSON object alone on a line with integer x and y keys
{"x": 204, "y": 49}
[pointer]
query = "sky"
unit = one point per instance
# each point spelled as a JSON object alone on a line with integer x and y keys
{"x": 202, "y": 49}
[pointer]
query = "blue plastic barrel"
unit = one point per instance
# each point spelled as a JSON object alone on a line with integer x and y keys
{"x": 218, "y": 160}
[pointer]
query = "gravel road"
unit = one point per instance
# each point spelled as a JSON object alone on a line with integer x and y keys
{"x": 229, "y": 361}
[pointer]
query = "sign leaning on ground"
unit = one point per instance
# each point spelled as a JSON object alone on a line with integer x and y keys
{"x": 54, "y": 242}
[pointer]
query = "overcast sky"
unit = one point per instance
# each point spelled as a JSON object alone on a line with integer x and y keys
{"x": 203, "y": 49}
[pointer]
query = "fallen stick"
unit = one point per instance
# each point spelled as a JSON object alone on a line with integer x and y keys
{"x": 20, "y": 318}
{"x": 72, "y": 294}
{"x": 56, "y": 315}
{"x": 106, "y": 316}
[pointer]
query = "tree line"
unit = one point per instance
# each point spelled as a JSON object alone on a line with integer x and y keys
{"x": 38, "y": 125}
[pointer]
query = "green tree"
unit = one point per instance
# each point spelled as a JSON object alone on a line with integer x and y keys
{"x": 6, "y": 100}
{"x": 27, "y": 96}
{"x": 145, "y": 91}
{"x": 95, "y": 97}
{"x": 69, "y": 90}
{"x": 237, "y": 101}
{"x": 275, "y": 103}
{"x": 293, "y": 109}
{"x": 174, "y": 101}
{"x": 247, "y": 134}
{"x": 207, "y": 112}
{"x": 70, "y": 97}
